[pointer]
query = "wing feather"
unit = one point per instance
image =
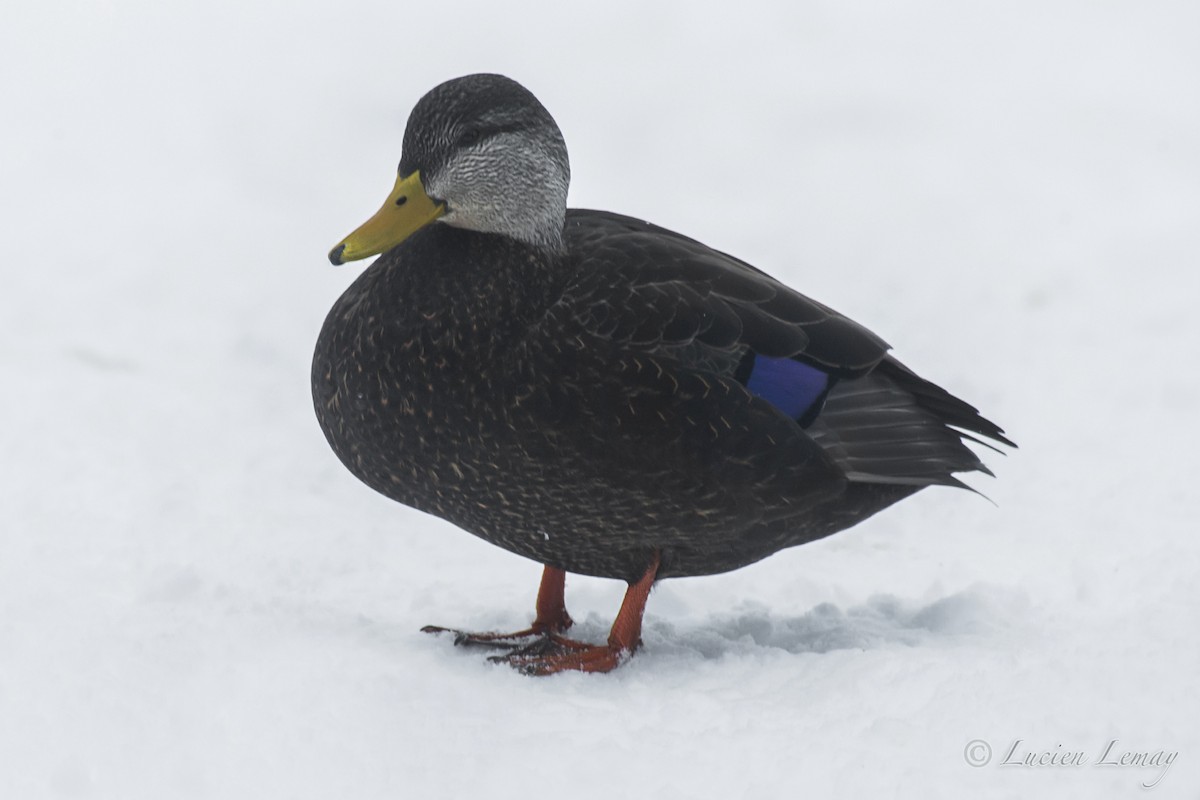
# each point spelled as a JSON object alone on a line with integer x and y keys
{"x": 703, "y": 312}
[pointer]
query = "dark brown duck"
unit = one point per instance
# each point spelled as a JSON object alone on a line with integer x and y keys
{"x": 596, "y": 393}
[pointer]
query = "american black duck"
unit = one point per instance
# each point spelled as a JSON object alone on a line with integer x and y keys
{"x": 596, "y": 393}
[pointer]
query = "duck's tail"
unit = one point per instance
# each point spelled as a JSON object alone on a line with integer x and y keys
{"x": 893, "y": 427}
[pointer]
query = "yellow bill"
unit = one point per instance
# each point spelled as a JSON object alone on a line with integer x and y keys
{"x": 407, "y": 210}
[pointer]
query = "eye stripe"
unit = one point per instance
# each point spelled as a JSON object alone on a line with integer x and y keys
{"x": 470, "y": 138}
{"x": 473, "y": 136}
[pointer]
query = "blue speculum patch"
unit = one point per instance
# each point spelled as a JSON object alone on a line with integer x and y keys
{"x": 794, "y": 388}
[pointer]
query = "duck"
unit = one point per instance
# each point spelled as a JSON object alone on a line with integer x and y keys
{"x": 597, "y": 393}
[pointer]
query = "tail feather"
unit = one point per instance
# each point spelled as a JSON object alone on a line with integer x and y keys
{"x": 893, "y": 427}
{"x": 949, "y": 408}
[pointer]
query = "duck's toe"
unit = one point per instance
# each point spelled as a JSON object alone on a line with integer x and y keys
{"x": 554, "y": 654}
{"x": 516, "y": 640}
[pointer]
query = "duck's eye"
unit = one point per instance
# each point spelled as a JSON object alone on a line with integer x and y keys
{"x": 470, "y": 138}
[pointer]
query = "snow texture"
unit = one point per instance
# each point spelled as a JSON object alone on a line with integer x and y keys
{"x": 198, "y": 601}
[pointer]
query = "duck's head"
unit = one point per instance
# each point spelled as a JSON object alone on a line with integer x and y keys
{"x": 480, "y": 152}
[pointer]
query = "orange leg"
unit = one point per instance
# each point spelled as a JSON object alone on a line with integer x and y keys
{"x": 556, "y": 654}
{"x": 551, "y": 620}
{"x": 552, "y": 616}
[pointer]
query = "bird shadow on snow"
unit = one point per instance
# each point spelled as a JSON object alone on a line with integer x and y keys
{"x": 884, "y": 620}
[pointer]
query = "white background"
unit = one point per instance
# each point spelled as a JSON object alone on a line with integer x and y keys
{"x": 197, "y": 600}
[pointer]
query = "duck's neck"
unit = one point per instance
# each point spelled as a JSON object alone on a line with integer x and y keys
{"x": 469, "y": 292}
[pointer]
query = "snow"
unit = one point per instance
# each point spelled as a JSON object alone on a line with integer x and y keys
{"x": 196, "y": 600}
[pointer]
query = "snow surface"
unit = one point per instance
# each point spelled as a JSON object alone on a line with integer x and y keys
{"x": 197, "y": 600}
